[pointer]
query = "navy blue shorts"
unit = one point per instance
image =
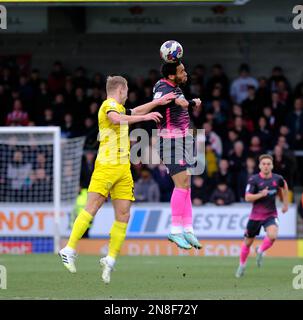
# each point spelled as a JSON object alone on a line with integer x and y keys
{"x": 253, "y": 227}
{"x": 178, "y": 154}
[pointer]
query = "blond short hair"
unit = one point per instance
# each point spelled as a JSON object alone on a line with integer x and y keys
{"x": 113, "y": 82}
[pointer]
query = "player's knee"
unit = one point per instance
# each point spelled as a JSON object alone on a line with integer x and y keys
{"x": 93, "y": 206}
{"x": 123, "y": 216}
{"x": 272, "y": 237}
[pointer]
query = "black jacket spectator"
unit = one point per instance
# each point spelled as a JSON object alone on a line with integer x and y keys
{"x": 223, "y": 195}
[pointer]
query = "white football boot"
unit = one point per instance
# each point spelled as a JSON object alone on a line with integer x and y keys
{"x": 68, "y": 257}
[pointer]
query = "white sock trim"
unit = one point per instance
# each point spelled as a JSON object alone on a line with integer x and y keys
{"x": 189, "y": 229}
{"x": 176, "y": 229}
{"x": 69, "y": 249}
{"x": 111, "y": 261}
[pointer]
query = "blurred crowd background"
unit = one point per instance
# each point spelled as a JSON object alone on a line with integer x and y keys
{"x": 242, "y": 117}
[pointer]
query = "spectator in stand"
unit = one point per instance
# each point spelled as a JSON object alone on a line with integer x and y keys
{"x": 4, "y": 103}
{"x": 17, "y": 117}
{"x": 41, "y": 180}
{"x": 239, "y": 87}
{"x": 68, "y": 128}
{"x": 223, "y": 174}
{"x": 35, "y": 81}
{"x": 222, "y": 195}
{"x": 199, "y": 70}
{"x": 48, "y": 118}
{"x": 283, "y": 92}
{"x": 212, "y": 139}
{"x": 41, "y": 101}
{"x": 270, "y": 119}
{"x": 18, "y": 178}
{"x": 237, "y": 158}
{"x": 7, "y": 78}
{"x": 279, "y": 110}
{"x": 197, "y": 117}
{"x": 282, "y": 165}
{"x": 199, "y": 191}
{"x": 80, "y": 107}
{"x": 239, "y": 128}
{"x": 153, "y": 77}
{"x": 236, "y": 111}
{"x": 90, "y": 131}
{"x": 80, "y": 79}
{"x": 250, "y": 106}
{"x": 219, "y": 119}
{"x": 96, "y": 97}
{"x": 69, "y": 94}
{"x": 263, "y": 93}
{"x": 56, "y": 79}
{"x": 264, "y": 134}
{"x": 229, "y": 142}
{"x": 218, "y": 76}
{"x": 290, "y": 155}
{"x": 216, "y": 94}
{"x": 132, "y": 100}
{"x": 284, "y": 131}
{"x": 59, "y": 108}
{"x": 93, "y": 111}
{"x": 299, "y": 90}
{"x": 277, "y": 75}
{"x": 243, "y": 176}
{"x": 255, "y": 148}
{"x": 146, "y": 189}
{"x": 98, "y": 81}
{"x": 195, "y": 86}
{"x": 87, "y": 168}
{"x": 164, "y": 182}
{"x": 295, "y": 124}
{"x": 26, "y": 92}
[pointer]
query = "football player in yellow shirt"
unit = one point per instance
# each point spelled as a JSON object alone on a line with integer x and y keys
{"x": 112, "y": 173}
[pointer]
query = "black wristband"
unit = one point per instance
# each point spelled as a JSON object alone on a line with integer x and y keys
{"x": 191, "y": 103}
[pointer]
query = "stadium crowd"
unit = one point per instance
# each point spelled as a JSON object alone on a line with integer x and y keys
{"x": 242, "y": 118}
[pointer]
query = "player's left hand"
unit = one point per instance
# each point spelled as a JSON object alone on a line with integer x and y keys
{"x": 167, "y": 98}
{"x": 284, "y": 208}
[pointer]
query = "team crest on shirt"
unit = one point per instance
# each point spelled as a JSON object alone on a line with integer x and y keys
{"x": 113, "y": 104}
{"x": 274, "y": 183}
{"x": 157, "y": 95}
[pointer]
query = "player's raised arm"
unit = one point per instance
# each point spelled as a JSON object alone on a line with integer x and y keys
{"x": 117, "y": 118}
{"x": 183, "y": 103}
{"x": 284, "y": 191}
{"x": 147, "y": 107}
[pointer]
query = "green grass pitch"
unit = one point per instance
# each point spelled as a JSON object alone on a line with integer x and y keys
{"x": 44, "y": 277}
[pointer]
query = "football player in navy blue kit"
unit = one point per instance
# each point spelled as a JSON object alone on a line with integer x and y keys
{"x": 175, "y": 140}
{"x": 261, "y": 190}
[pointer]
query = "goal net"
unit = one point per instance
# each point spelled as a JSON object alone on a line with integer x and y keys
{"x": 39, "y": 184}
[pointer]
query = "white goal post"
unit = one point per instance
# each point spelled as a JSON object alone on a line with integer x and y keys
{"x": 39, "y": 175}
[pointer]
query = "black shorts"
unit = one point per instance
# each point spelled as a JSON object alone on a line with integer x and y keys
{"x": 253, "y": 227}
{"x": 178, "y": 154}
